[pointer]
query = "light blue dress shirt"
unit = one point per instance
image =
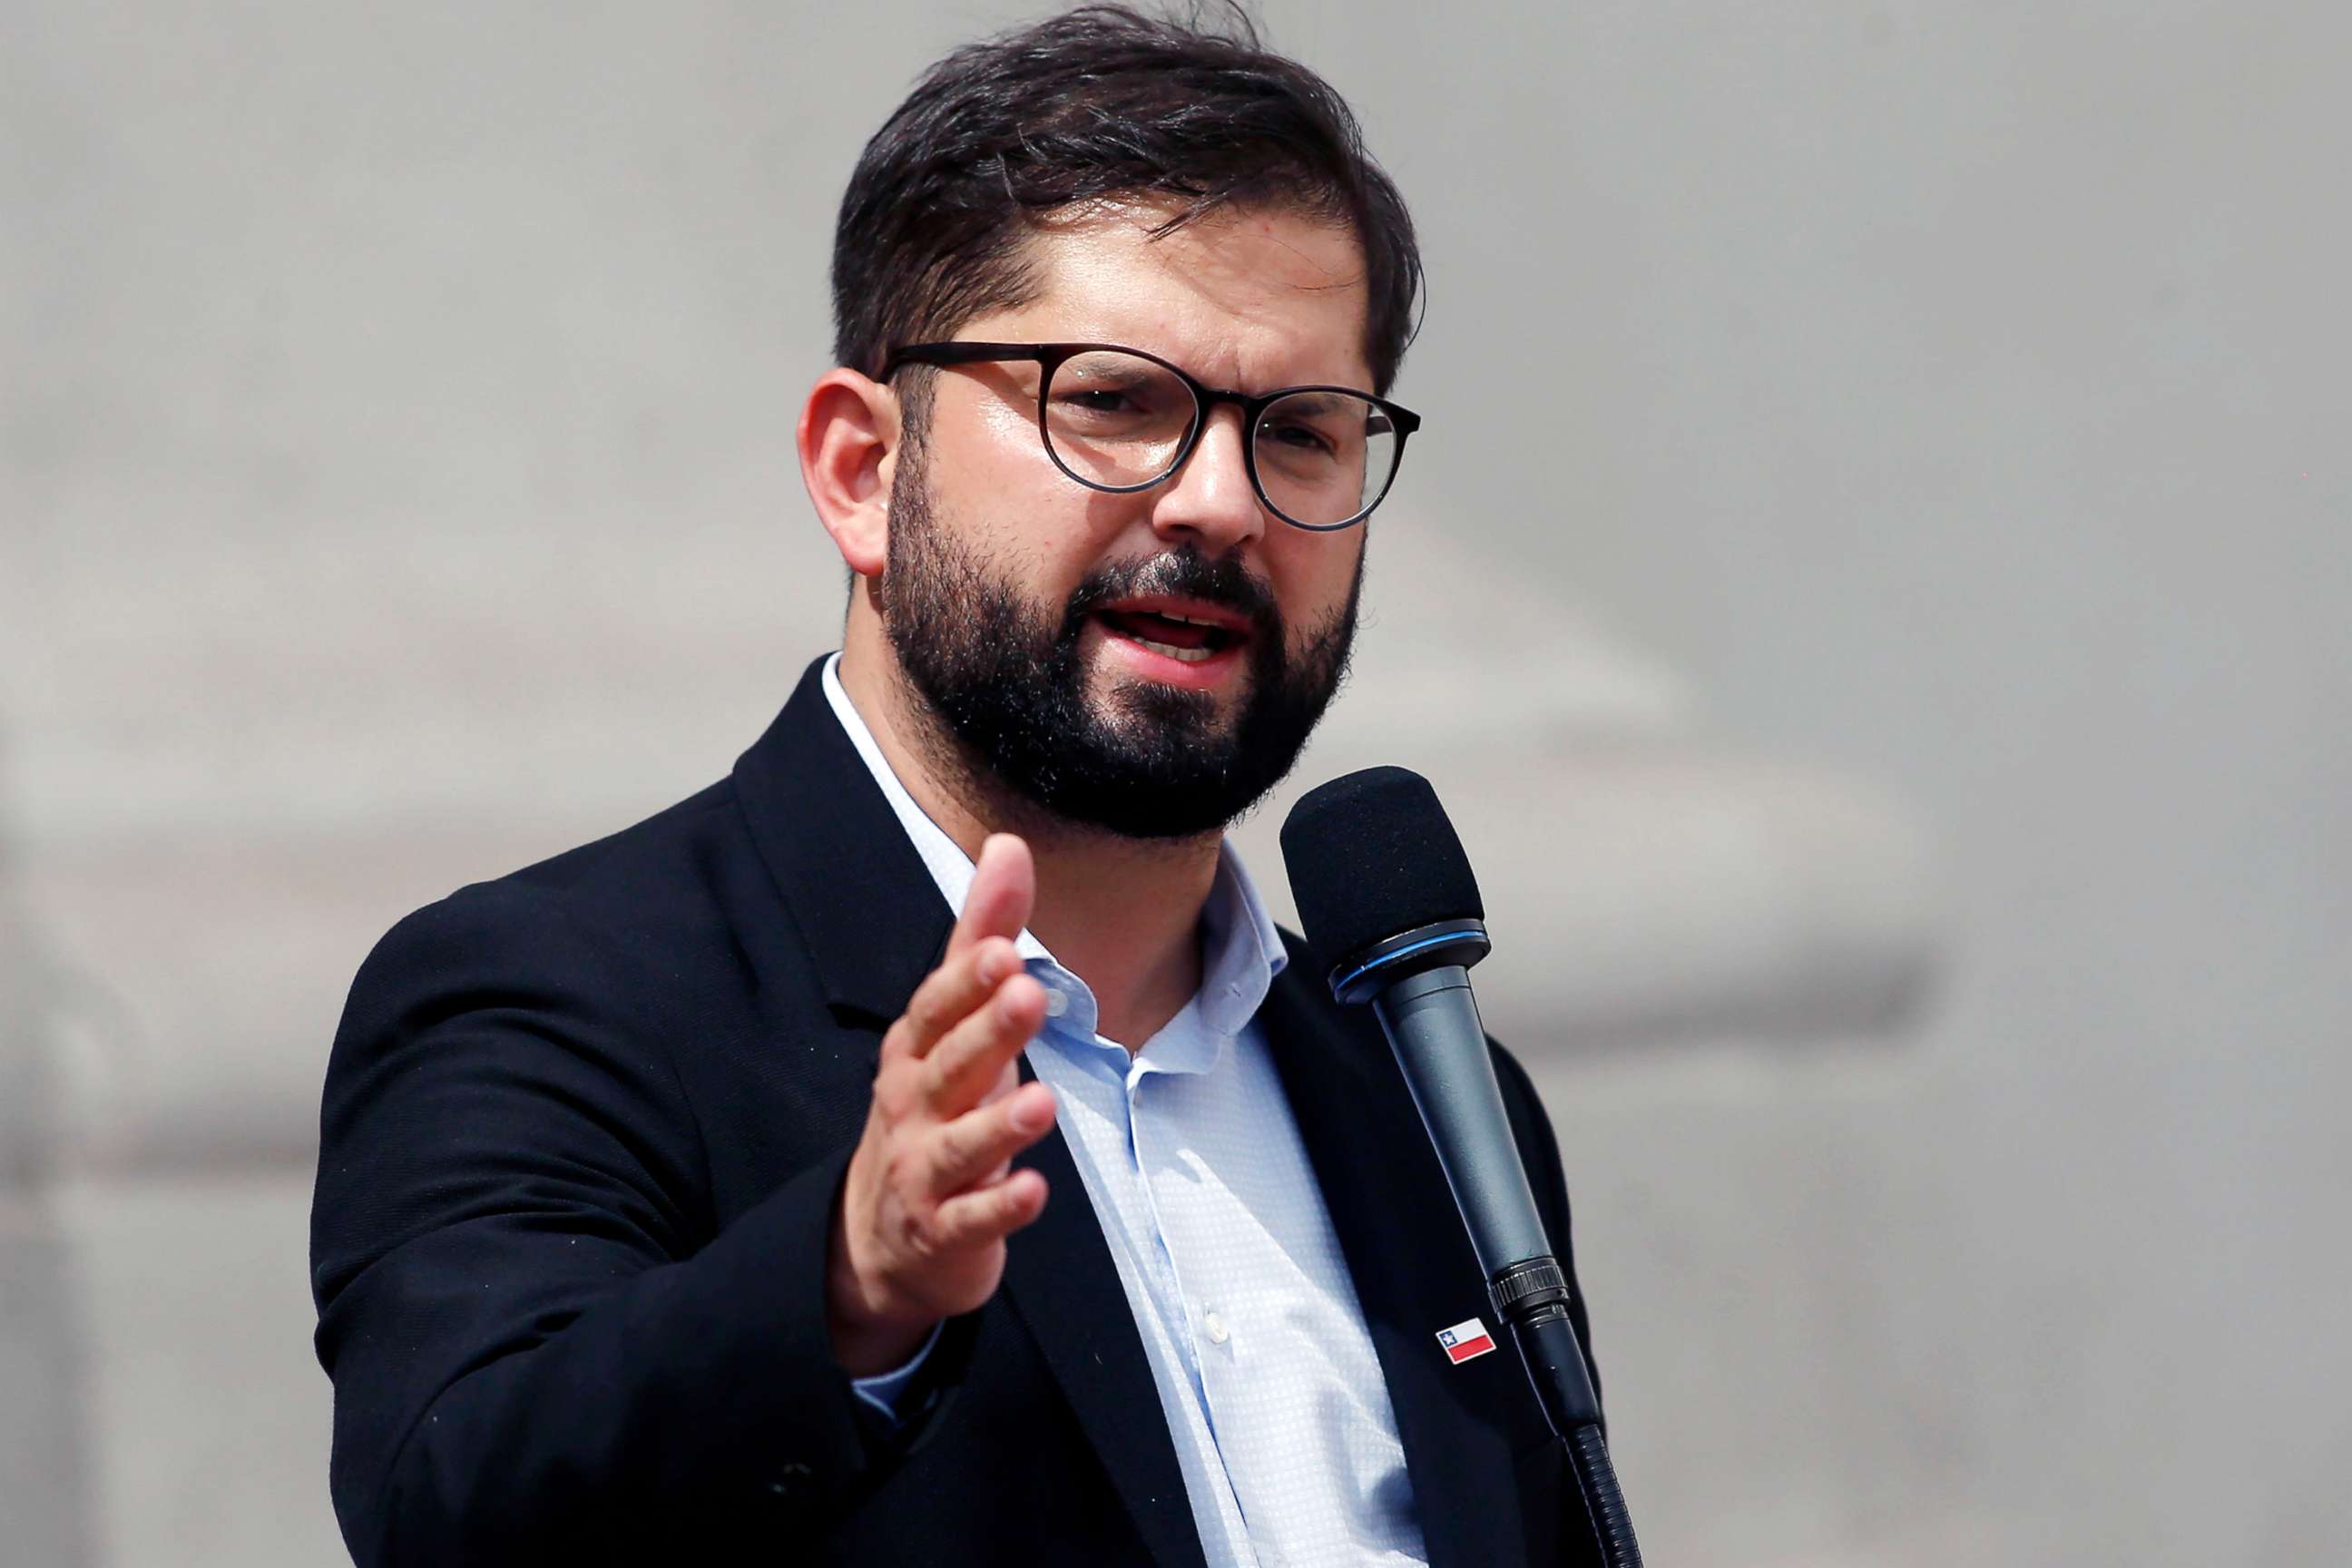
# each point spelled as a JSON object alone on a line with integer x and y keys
{"x": 1188, "y": 1151}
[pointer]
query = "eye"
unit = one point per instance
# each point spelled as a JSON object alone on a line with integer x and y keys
{"x": 1100, "y": 400}
{"x": 1108, "y": 390}
{"x": 1293, "y": 436}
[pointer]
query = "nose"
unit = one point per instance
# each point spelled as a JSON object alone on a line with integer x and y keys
{"x": 1211, "y": 501}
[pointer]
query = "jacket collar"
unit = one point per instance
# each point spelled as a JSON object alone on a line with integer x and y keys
{"x": 872, "y": 917}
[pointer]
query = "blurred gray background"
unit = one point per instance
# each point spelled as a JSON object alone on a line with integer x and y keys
{"x": 1870, "y": 591}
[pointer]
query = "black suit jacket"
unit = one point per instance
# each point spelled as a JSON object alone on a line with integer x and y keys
{"x": 583, "y": 1131}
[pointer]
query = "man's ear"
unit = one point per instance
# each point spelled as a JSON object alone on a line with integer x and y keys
{"x": 848, "y": 441}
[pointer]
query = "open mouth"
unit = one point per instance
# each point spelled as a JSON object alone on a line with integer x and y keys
{"x": 1186, "y": 639}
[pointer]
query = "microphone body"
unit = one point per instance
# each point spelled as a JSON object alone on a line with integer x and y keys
{"x": 1432, "y": 1022}
{"x": 1381, "y": 879}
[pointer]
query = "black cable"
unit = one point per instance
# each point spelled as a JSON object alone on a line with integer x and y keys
{"x": 1596, "y": 1479}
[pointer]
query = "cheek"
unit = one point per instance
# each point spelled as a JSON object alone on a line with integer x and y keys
{"x": 994, "y": 484}
{"x": 1007, "y": 429}
{"x": 985, "y": 452}
{"x": 1313, "y": 576}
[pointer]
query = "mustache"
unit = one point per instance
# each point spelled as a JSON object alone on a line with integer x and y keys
{"x": 1184, "y": 574}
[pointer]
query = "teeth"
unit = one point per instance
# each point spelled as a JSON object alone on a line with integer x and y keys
{"x": 1189, "y": 655}
{"x": 1184, "y": 620}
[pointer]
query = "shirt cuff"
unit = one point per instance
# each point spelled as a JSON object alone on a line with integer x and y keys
{"x": 883, "y": 1390}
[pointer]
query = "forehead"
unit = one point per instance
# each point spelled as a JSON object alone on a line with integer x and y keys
{"x": 1248, "y": 297}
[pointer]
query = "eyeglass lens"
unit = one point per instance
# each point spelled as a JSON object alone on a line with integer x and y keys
{"x": 1120, "y": 421}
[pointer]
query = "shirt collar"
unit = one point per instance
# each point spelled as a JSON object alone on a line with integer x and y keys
{"x": 1241, "y": 948}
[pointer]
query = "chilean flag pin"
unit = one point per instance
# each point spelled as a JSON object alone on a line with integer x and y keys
{"x": 1465, "y": 1340}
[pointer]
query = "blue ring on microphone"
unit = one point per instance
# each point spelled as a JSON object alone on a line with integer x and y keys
{"x": 1360, "y": 975}
{"x": 1384, "y": 960}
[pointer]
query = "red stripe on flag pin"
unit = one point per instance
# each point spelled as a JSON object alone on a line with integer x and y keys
{"x": 1465, "y": 1340}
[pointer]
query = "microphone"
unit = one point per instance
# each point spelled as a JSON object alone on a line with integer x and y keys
{"x": 1383, "y": 888}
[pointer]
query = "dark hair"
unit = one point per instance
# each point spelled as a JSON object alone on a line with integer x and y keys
{"x": 1096, "y": 103}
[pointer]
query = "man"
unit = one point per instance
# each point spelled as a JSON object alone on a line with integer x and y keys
{"x": 719, "y": 1189}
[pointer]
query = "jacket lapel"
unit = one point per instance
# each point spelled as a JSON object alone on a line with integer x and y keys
{"x": 875, "y": 925}
{"x": 1463, "y": 1427}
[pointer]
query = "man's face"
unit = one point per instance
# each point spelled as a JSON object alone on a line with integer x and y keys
{"x": 1051, "y": 628}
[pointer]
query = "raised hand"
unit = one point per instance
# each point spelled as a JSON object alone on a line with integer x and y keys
{"x": 931, "y": 1196}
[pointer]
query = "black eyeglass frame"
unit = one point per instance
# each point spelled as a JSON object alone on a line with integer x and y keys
{"x": 1050, "y": 357}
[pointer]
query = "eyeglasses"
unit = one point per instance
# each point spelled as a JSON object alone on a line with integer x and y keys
{"x": 1118, "y": 419}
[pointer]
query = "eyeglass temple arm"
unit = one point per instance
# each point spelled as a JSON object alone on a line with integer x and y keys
{"x": 962, "y": 354}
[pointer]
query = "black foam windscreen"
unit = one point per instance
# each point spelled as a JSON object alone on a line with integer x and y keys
{"x": 1371, "y": 856}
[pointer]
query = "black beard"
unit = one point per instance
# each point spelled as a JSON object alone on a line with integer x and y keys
{"x": 1004, "y": 679}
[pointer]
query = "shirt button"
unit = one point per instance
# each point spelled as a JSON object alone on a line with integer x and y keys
{"x": 1058, "y": 1002}
{"x": 1218, "y": 1333}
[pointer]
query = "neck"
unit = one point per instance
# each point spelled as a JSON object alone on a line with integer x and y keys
{"x": 1122, "y": 914}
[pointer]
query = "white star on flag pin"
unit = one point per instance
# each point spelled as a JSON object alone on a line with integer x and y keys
{"x": 1465, "y": 1340}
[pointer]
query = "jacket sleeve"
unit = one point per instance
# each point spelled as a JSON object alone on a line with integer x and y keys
{"x": 542, "y": 1348}
{"x": 1540, "y": 1151}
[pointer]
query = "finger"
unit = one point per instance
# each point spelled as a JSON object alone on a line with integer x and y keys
{"x": 1008, "y": 1078}
{"x": 950, "y": 993}
{"x": 1007, "y": 1083}
{"x": 992, "y": 1213}
{"x": 1004, "y": 886}
{"x": 976, "y": 1144}
{"x": 971, "y": 1057}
